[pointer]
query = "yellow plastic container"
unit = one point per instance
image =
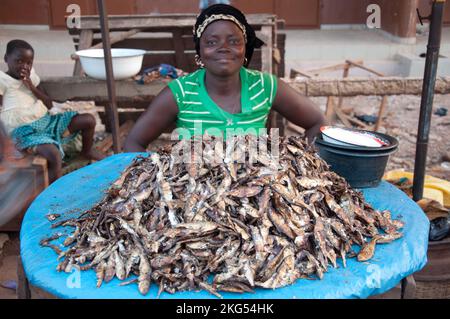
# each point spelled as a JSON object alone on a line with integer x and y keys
{"x": 434, "y": 188}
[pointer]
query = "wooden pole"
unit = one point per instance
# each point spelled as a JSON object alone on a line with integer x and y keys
{"x": 329, "y": 111}
{"x": 426, "y": 104}
{"x": 114, "y": 117}
{"x": 380, "y": 113}
{"x": 344, "y": 75}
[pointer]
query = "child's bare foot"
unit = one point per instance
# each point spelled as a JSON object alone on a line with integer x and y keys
{"x": 93, "y": 154}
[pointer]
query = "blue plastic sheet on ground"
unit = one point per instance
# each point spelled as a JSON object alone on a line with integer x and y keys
{"x": 80, "y": 190}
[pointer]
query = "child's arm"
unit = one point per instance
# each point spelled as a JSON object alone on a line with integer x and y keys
{"x": 37, "y": 91}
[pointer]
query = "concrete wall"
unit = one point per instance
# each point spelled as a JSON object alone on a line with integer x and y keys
{"x": 398, "y": 17}
{"x": 24, "y": 12}
{"x": 425, "y": 9}
{"x": 344, "y": 11}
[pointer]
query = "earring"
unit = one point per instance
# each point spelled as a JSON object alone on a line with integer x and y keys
{"x": 198, "y": 61}
{"x": 245, "y": 61}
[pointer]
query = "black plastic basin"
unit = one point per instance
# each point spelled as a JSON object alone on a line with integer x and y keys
{"x": 361, "y": 166}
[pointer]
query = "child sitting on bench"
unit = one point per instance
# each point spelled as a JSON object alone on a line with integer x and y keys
{"x": 25, "y": 113}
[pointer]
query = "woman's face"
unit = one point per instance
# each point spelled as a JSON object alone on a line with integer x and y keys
{"x": 222, "y": 48}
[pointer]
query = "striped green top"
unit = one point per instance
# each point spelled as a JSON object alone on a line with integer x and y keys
{"x": 198, "y": 113}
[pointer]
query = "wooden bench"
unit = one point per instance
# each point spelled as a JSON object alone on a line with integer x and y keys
{"x": 20, "y": 182}
{"x": 168, "y": 38}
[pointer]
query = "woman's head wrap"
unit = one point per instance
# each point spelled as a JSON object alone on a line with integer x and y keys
{"x": 226, "y": 12}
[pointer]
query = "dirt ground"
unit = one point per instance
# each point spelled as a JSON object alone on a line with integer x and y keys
{"x": 9, "y": 250}
{"x": 400, "y": 120}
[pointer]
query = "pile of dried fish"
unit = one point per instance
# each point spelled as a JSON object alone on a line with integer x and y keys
{"x": 249, "y": 225}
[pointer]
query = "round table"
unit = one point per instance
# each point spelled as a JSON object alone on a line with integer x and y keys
{"x": 80, "y": 190}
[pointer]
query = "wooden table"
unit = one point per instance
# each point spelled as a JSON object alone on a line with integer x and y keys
{"x": 391, "y": 263}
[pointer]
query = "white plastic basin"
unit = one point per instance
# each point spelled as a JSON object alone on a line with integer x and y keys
{"x": 125, "y": 62}
{"x": 351, "y": 137}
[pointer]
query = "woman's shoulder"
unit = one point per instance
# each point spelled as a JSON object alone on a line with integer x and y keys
{"x": 189, "y": 82}
{"x": 257, "y": 73}
{"x": 191, "y": 77}
{"x": 259, "y": 76}
{"x": 266, "y": 80}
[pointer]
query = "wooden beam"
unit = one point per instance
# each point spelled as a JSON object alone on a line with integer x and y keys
{"x": 87, "y": 89}
{"x": 329, "y": 68}
{"x": 344, "y": 75}
{"x": 180, "y": 56}
{"x": 357, "y": 122}
{"x": 161, "y": 21}
{"x": 110, "y": 82}
{"x": 267, "y": 49}
{"x": 40, "y": 164}
{"x": 380, "y": 113}
{"x": 408, "y": 287}
{"x": 107, "y": 143}
{"x": 365, "y": 86}
{"x": 329, "y": 111}
{"x": 359, "y": 65}
{"x": 291, "y": 126}
{"x": 23, "y": 288}
{"x": 343, "y": 117}
{"x": 86, "y": 38}
{"x": 295, "y": 72}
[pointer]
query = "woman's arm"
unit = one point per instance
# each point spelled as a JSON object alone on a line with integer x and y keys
{"x": 298, "y": 109}
{"x": 161, "y": 113}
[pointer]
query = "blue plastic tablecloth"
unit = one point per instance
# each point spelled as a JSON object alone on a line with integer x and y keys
{"x": 80, "y": 190}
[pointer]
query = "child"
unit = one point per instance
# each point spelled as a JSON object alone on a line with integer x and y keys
{"x": 25, "y": 113}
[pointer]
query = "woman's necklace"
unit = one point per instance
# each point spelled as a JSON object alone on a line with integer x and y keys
{"x": 236, "y": 105}
{"x": 233, "y": 110}
{"x": 229, "y": 112}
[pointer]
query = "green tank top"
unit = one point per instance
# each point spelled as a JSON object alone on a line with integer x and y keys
{"x": 199, "y": 114}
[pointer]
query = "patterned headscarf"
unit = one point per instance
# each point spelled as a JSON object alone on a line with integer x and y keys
{"x": 226, "y": 12}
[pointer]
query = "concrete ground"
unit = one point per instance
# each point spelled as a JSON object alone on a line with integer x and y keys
{"x": 309, "y": 49}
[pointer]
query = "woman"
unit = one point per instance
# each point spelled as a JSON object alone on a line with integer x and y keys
{"x": 223, "y": 94}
